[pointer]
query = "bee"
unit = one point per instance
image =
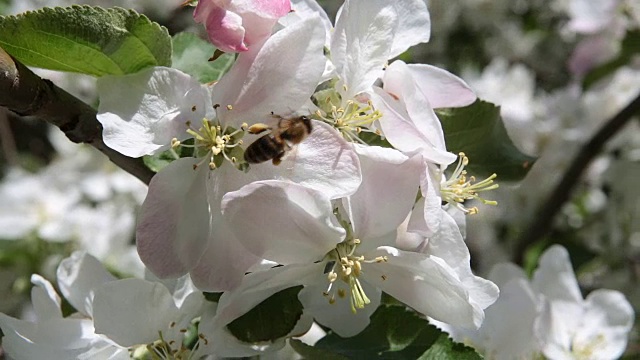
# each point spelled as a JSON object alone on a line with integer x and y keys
{"x": 273, "y": 146}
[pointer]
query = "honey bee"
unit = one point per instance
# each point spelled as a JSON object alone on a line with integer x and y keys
{"x": 273, "y": 146}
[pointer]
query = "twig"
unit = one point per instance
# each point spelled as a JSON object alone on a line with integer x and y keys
{"x": 7, "y": 140}
{"x": 542, "y": 224}
{"x": 26, "y": 94}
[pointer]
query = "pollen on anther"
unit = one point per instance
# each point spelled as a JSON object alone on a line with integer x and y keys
{"x": 173, "y": 323}
{"x": 384, "y": 277}
{"x": 183, "y": 330}
{"x": 342, "y": 293}
{"x": 193, "y": 108}
{"x": 229, "y": 107}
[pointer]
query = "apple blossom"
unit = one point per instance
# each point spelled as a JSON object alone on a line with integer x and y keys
{"x": 575, "y": 327}
{"x": 180, "y": 230}
{"x": 343, "y": 254}
{"x": 115, "y": 319}
{"x": 236, "y": 25}
{"x": 549, "y": 316}
{"x": 367, "y": 34}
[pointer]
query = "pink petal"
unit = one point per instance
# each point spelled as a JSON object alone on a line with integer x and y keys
{"x": 283, "y": 222}
{"x": 174, "y": 222}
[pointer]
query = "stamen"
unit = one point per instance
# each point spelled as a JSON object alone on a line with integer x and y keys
{"x": 352, "y": 119}
{"x": 458, "y": 188}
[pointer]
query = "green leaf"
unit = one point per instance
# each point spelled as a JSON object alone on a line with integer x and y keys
{"x": 445, "y": 348}
{"x": 309, "y": 352}
{"x": 395, "y": 333}
{"x": 272, "y": 319}
{"x": 156, "y": 162}
{"x": 85, "y": 39}
{"x": 191, "y": 55}
{"x": 630, "y": 48}
{"x": 478, "y": 131}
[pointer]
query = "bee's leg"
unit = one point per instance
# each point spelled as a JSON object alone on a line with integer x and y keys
{"x": 278, "y": 158}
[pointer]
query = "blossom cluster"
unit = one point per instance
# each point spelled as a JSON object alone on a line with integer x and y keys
{"x": 327, "y": 209}
{"x": 316, "y": 162}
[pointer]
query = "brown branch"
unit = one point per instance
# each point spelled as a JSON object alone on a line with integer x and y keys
{"x": 26, "y": 94}
{"x": 542, "y": 223}
{"x": 7, "y": 142}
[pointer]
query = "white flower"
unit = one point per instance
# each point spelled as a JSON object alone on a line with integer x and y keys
{"x": 507, "y": 332}
{"x": 573, "y": 327}
{"x": 548, "y": 316}
{"x": 367, "y": 34}
{"x": 115, "y": 318}
{"x": 180, "y": 230}
{"x": 344, "y": 254}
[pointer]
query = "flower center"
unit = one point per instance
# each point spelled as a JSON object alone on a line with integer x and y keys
{"x": 346, "y": 266}
{"x": 171, "y": 350}
{"x": 459, "y": 188}
{"x": 351, "y": 119}
{"x": 585, "y": 351}
{"x": 215, "y": 144}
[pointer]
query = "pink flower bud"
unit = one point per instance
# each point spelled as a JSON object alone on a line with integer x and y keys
{"x": 235, "y": 25}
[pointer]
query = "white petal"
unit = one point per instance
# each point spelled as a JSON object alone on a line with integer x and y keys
{"x": 225, "y": 260}
{"x": 360, "y": 45}
{"x": 338, "y": 316}
{"x": 406, "y": 240}
{"x": 78, "y": 276}
{"x": 174, "y": 222}
{"x": 427, "y": 213}
{"x": 307, "y": 8}
{"x": 448, "y": 244}
{"x": 323, "y": 161}
{"x": 503, "y": 273}
{"x": 508, "y": 329}
{"x": 142, "y": 112}
{"x": 275, "y": 78}
{"x": 283, "y": 222}
{"x": 424, "y": 284}
{"x": 400, "y": 83}
{"x": 555, "y": 277}
{"x": 387, "y": 193}
{"x": 414, "y": 25}
{"x": 133, "y": 311}
{"x": 440, "y": 87}
{"x": 405, "y": 134}
{"x": 46, "y": 302}
{"x": 55, "y": 339}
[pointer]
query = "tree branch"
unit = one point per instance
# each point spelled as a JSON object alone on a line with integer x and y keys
{"x": 541, "y": 225}
{"x": 26, "y": 94}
